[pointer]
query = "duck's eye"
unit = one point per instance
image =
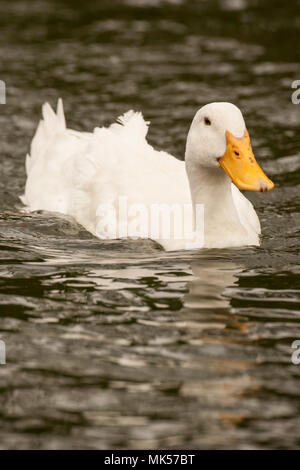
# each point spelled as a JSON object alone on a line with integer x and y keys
{"x": 207, "y": 121}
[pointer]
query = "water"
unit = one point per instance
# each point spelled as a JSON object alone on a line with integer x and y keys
{"x": 120, "y": 344}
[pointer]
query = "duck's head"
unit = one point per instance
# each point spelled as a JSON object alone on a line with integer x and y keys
{"x": 218, "y": 139}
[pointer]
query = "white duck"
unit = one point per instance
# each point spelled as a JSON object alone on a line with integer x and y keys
{"x": 91, "y": 175}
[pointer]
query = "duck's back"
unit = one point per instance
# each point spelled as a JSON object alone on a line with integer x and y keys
{"x": 78, "y": 173}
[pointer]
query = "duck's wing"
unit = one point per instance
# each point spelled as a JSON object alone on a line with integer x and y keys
{"x": 118, "y": 164}
{"x": 246, "y": 211}
{"x": 75, "y": 173}
{"x": 63, "y": 162}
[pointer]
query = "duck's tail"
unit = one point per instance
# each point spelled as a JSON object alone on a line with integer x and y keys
{"x": 48, "y": 128}
{"x": 51, "y": 125}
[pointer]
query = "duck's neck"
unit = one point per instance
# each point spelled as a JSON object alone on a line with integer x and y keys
{"x": 212, "y": 188}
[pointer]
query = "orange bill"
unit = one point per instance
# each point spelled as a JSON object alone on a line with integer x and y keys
{"x": 239, "y": 163}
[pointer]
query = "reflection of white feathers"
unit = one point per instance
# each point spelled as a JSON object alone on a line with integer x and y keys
{"x": 75, "y": 172}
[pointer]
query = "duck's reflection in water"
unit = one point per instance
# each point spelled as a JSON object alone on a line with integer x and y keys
{"x": 218, "y": 337}
{"x": 213, "y": 274}
{"x": 207, "y": 305}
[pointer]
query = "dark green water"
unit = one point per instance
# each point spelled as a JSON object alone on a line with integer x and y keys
{"x": 119, "y": 344}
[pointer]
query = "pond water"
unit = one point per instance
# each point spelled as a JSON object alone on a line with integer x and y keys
{"x": 118, "y": 344}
